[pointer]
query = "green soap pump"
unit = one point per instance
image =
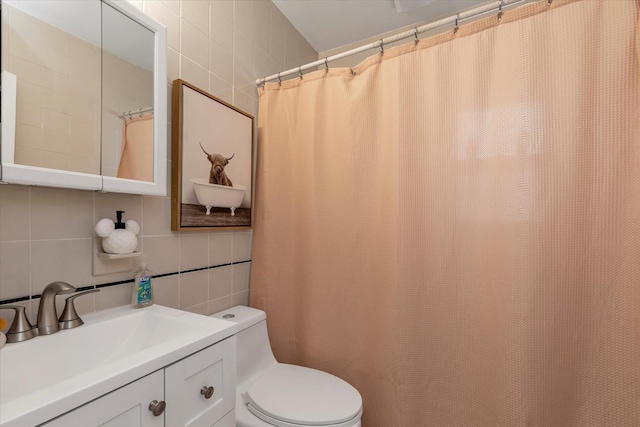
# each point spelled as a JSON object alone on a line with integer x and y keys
{"x": 142, "y": 290}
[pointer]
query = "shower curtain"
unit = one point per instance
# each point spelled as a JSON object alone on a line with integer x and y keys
{"x": 454, "y": 227}
{"x": 136, "y": 154}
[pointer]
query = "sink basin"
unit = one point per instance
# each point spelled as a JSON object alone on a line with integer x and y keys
{"x": 50, "y": 375}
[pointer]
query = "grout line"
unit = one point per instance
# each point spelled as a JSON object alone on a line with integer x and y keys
{"x": 193, "y": 270}
{"x": 12, "y": 300}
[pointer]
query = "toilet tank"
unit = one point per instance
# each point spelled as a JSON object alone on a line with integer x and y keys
{"x": 253, "y": 350}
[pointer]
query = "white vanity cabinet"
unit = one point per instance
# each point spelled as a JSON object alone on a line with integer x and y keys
{"x": 198, "y": 390}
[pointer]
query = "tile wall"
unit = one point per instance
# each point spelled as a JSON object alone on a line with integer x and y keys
{"x": 46, "y": 234}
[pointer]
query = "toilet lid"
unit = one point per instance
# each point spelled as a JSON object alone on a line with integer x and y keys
{"x": 295, "y": 395}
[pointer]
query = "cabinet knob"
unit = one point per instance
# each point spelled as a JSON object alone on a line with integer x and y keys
{"x": 207, "y": 392}
{"x": 157, "y": 408}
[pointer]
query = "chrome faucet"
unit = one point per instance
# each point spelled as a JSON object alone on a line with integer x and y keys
{"x": 47, "y": 313}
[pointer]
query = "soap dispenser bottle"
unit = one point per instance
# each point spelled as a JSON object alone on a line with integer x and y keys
{"x": 142, "y": 289}
{"x": 118, "y": 238}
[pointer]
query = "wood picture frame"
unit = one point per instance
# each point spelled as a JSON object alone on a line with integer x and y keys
{"x": 211, "y": 162}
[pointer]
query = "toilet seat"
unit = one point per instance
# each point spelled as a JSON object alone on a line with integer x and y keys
{"x": 293, "y": 396}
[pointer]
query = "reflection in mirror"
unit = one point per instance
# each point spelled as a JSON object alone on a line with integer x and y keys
{"x": 56, "y": 58}
{"x": 127, "y": 97}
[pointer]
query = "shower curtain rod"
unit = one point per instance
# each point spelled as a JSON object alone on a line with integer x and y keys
{"x": 496, "y": 6}
{"x": 141, "y": 112}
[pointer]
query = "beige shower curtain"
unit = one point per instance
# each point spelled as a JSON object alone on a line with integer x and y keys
{"x": 455, "y": 229}
{"x": 136, "y": 155}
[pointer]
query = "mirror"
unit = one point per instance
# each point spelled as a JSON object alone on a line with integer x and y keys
{"x": 57, "y": 65}
{"x": 127, "y": 97}
{"x": 90, "y": 96}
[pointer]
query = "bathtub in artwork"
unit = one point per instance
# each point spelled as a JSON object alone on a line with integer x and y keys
{"x": 219, "y": 196}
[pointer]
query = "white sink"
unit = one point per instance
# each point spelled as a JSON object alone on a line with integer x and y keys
{"x": 50, "y": 375}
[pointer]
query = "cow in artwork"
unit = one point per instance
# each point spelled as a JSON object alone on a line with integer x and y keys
{"x": 217, "y": 175}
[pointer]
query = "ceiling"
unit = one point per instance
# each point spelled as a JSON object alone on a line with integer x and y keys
{"x": 328, "y": 24}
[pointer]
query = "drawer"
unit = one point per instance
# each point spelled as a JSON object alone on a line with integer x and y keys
{"x": 186, "y": 383}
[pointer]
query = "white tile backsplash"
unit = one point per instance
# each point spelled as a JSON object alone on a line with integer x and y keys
{"x": 194, "y": 251}
{"x": 196, "y": 12}
{"x": 242, "y": 246}
{"x": 243, "y": 17}
{"x": 194, "y": 288}
{"x": 15, "y": 211}
{"x": 219, "y": 244}
{"x": 194, "y": 44}
{"x": 194, "y": 73}
{"x": 220, "y": 282}
{"x": 221, "y": 22}
{"x": 67, "y": 260}
{"x": 162, "y": 252}
{"x": 15, "y": 268}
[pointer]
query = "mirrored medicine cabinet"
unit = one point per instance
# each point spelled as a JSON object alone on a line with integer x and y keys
{"x": 84, "y": 98}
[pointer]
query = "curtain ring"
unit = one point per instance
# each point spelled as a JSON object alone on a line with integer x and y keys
{"x": 549, "y": 2}
{"x": 279, "y": 80}
{"x": 326, "y": 65}
{"x": 300, "y": 71}
{"x": 500, "y": 11}
{"x": 381, "y": 47}
{"x": 455, "y": 27}
{"x": 353, "y": 73}
{"x": 415, "y": 35}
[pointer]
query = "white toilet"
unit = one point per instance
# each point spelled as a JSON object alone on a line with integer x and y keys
{"x": 269, "y": 393}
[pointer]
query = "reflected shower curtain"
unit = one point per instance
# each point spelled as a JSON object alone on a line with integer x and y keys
{"x": 136, "y": 156}
{"x": 455, "y": 229}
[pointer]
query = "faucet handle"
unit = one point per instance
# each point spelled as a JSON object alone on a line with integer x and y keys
{"x": 69, "y": 318}
{"x": 21, "y": 329}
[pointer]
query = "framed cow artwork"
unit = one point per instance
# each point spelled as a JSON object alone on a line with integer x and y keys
{"x": 211, "y": 162}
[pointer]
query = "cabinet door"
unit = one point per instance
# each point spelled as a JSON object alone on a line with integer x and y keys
{"x": 127, "y": 406}
{"x": 186, "y": 383}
